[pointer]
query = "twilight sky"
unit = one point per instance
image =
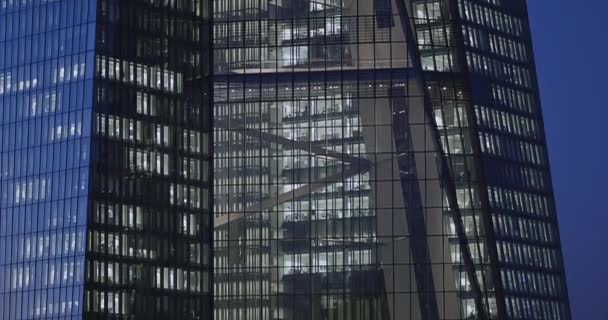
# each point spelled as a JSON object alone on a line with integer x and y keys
{"x": 571, "y": 47}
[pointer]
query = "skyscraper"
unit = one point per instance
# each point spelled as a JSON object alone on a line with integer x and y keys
{"x": 381, "y": 159}
{"x": 105, "y": 125}
{"x": 372, "y": 159}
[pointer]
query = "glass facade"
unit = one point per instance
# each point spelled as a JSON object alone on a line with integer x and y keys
{"x": 438, "y": 44}
{"x": 333, "y": 199}
{"x": 511, "y": 154}
{"x": 105, "y": 126}
{"x": 46, "y": 86}
{"x": 370, "y": 160}
{"x": 327, "y": 205}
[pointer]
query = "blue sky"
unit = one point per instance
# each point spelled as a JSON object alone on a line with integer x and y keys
{"x": 571, "y": 47}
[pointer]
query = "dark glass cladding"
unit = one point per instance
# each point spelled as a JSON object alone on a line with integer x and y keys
{"x": 511, "y": 159}
{"x": 381, "y": 159}
{"x": 149, "y": 229}
{"x": 105, "y": 125}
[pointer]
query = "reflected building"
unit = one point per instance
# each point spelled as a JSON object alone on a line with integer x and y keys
{"x": 381, "y": 159}
{"x": 105, "y": 159}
